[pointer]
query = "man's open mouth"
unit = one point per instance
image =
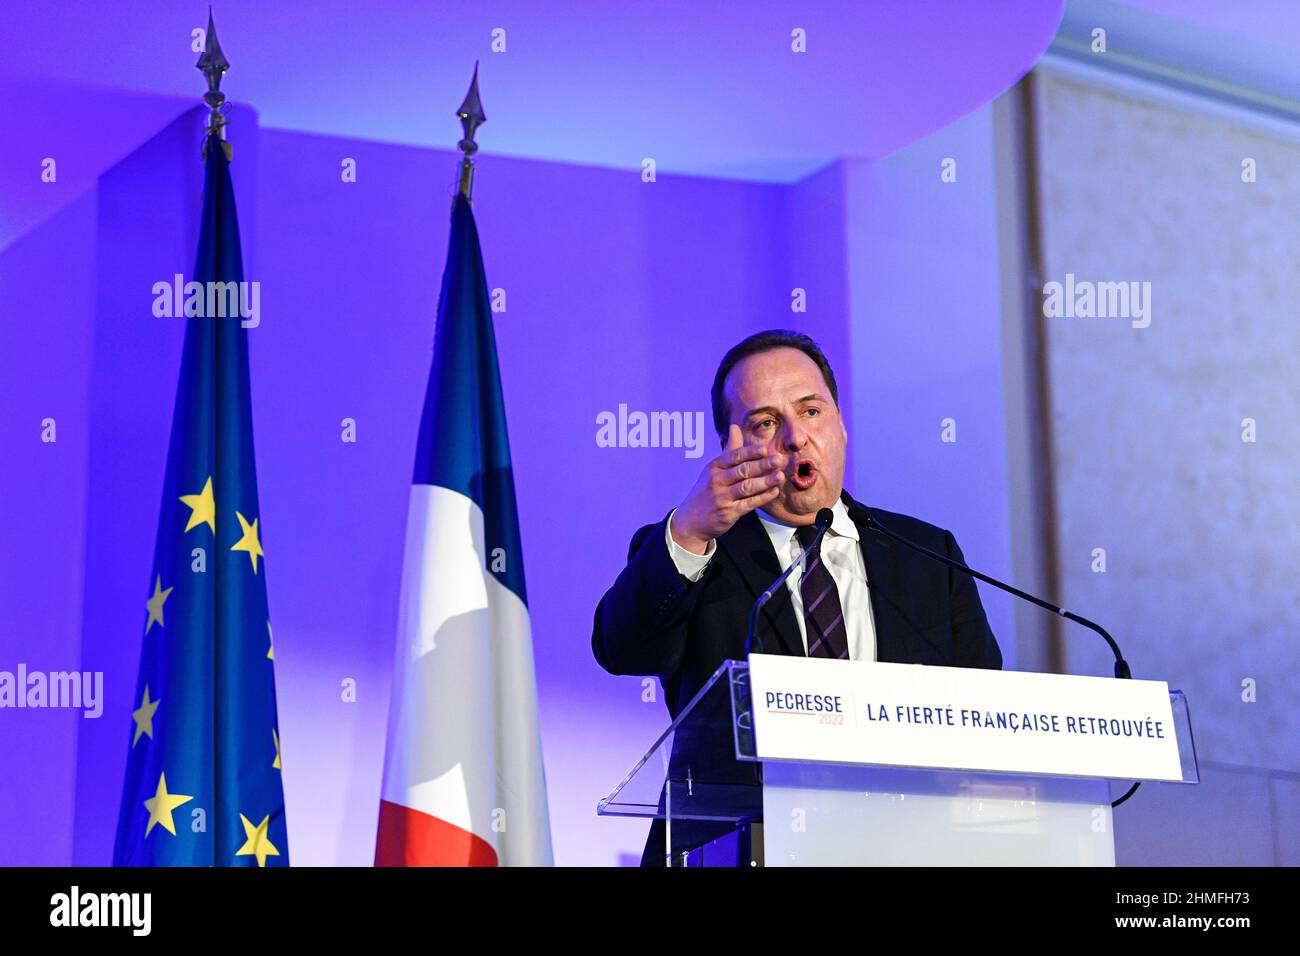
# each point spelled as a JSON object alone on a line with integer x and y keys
{"x": 805, "y": 474}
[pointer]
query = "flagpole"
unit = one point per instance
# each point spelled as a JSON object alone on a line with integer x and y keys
{"x": 213, "y": 64}
{"x": 471, "y": 117}
{"x": 468, "y": 701}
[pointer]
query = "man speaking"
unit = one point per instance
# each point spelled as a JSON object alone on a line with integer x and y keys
{"x": 681, "y": 605}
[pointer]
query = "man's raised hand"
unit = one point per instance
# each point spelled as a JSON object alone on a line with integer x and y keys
{"x": 742, "y": 478}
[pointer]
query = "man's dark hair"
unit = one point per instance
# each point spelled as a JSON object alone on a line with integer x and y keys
{"x": 765, "y": 342}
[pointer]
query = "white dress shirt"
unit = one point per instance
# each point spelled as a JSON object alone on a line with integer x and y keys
{"x": 842, "y": 555}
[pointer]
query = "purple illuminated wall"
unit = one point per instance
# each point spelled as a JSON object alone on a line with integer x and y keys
{"x": 47, "y": 299}
{"x": 617, "y": 292}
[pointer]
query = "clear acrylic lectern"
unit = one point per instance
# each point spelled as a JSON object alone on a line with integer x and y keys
{"x": 720, "y": 806}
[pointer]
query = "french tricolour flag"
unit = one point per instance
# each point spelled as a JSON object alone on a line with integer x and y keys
{"x": 463, "y": 777}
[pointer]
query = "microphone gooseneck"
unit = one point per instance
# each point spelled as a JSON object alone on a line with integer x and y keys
{"x": 1122, "y": 670}
{"x": 1121, "y": 666}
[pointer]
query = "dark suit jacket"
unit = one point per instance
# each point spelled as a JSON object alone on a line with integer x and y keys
{"x": 652, "y": 621}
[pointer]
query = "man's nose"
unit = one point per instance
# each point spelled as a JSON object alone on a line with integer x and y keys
{"x": 794, "y": 438}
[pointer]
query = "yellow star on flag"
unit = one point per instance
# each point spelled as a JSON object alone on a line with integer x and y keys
{"x": 161, "y": 805}
{"x": 203, "y": 509}
{"x": 249, "y": 541}
{"x": 144, "y": 717}
{"x": 276, "y": 737}
{"x": 155, "y": 604}
{"x": 256, "y": 842}
{"x": 270, "y": 650}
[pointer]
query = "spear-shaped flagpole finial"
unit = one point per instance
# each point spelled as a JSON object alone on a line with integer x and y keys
{"x": 471, "y": 118}
{"x": 213, "y": 64}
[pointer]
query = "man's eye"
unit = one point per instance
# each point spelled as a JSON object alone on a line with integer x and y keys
{"x": 763, "y": 423}
{"x": 812, "y": 411}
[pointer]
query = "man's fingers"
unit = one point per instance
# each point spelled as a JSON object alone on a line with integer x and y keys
{"x": 753, "y": 468}
{"x": 746, "y": 505}
{"x": 733, "y": 456}
{"x": 761, "y": 485}
{"x": 734, "y": 438}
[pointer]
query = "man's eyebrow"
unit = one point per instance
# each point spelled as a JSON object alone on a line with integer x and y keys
{"x": 769, "y": 410}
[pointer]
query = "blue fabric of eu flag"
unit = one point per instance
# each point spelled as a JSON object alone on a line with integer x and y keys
{"x": 203, "y": 784}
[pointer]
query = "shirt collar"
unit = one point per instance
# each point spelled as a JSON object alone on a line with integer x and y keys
{"x": 781, "y": 533}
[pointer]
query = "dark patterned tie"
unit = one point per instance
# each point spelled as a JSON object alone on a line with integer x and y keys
{"x": 822, "y": 614}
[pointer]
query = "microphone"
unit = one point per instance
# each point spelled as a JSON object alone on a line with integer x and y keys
{"x": 1121, "y": 666}
{"x": 823, "y": 521}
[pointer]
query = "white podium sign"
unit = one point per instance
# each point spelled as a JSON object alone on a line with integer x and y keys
{"x": 959, "y": 718}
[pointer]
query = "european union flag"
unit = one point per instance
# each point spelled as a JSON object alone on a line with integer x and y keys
{"x": 203, "y": 781}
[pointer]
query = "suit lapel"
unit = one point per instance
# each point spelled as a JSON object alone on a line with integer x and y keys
{"x": 880, "y": 556}
{"x": 750, "y": 551}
